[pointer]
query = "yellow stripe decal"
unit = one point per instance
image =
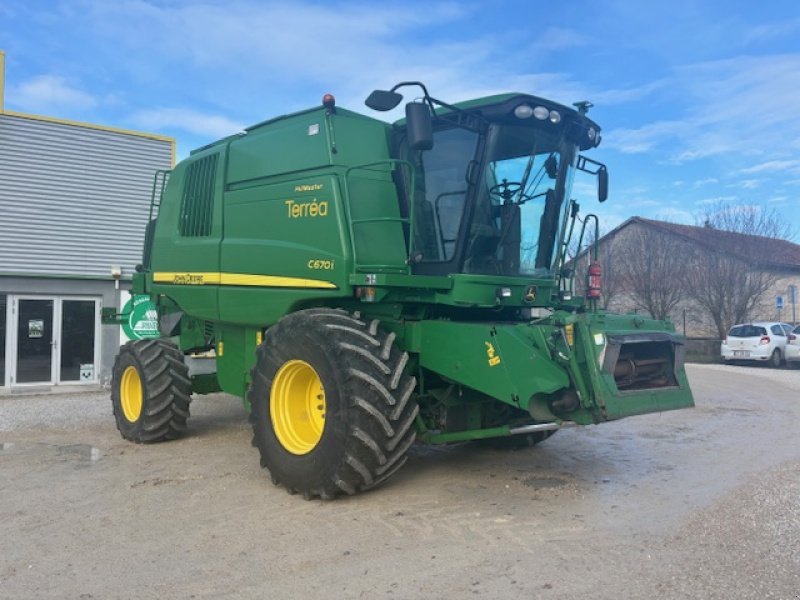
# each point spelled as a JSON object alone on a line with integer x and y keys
{"x": 240, "y": 279}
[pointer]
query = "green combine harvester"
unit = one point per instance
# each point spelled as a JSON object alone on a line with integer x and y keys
{"x": 362, "y": 286}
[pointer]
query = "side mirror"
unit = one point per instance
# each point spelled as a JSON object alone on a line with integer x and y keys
{"x": 383, "y": 100}
{"x": 419, "y": 126}
{"x": 602, "y": 184}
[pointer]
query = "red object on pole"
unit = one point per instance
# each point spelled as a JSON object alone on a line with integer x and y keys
{"x": 593, "y": 291}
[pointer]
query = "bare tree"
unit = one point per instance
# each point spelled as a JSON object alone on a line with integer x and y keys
{"x": 727, "y": 275}
{"x": 653, "y": 266}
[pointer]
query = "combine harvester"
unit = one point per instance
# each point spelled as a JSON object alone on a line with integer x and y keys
{"x": 363, "y": 285}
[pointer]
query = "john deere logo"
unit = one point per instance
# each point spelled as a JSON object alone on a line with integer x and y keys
{"x": 530, "y": 294}
{"x": 142, "y": 319}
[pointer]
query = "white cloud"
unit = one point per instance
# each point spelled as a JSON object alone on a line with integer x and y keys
{"x": 707, "y": 181}
{"x": 49, "y": 94}
{"x": 735, "y": 106}
{"x": 187, "y": 120}
{"x": 254, "y": 44}
{"x": 772, "y": 166}
{"x": 771, "y": 31}
{"x": 559, "y": 38}
{"x": 643, "y": 139}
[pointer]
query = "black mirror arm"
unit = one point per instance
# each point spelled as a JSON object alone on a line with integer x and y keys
{"x": 432, "y": 102}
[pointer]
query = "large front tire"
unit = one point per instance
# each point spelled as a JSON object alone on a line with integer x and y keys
{"x": 150, "y": 391}
{"x": 331, "y": 405}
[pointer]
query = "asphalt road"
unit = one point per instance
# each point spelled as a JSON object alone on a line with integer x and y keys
{"x": 701, "y": 503}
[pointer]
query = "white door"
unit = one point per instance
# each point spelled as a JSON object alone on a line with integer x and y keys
{"x": 53, "y": 340}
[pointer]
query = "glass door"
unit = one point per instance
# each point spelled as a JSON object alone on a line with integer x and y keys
{"x": 35, "y": 340}
{"x": 78, "y": 340}
{"x": 52, "y": 340}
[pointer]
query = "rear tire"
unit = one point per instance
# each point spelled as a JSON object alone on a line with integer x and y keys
{"x": 331, "y": 406}
{"x": 775, "y": 359}
{"x": 150, "y": 391}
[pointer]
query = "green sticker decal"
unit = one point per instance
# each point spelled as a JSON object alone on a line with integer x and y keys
{"x": 142, "y": 318}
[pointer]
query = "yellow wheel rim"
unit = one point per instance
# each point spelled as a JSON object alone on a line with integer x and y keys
{"x": 297, "y": 407}
{"x": 130, "y": 394}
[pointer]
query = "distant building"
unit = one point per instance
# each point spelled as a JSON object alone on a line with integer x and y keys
{"x": 778, "y": 258}
{"x": 74, "y": 202}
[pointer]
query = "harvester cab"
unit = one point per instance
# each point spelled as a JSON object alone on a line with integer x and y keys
{"x": 362, "y": 285}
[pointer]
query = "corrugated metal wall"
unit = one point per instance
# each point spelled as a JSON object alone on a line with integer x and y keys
{"x": 73, "y": 200}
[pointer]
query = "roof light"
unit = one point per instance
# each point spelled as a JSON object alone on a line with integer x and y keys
{"x": 523, "y": 111}
{"x": 555, "y": 116}
{"x": 591, "y": 133}
{"x": 541, "y": 113}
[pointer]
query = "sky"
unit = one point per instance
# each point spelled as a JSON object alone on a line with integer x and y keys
{"x": 699, "y": 101}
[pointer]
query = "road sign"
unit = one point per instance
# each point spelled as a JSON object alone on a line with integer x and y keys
{"x": 779, "y": 302}
{"x": 792, "y": 294}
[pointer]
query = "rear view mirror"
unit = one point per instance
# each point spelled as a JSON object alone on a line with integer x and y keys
{"x": 383, "y": 100}
{"x": 419, "y": 126}
{"x": 585, "y": 164}
{"x": 602, "y": 184}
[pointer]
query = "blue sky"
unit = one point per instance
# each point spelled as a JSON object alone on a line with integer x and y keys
{"x": 699, "y": 101}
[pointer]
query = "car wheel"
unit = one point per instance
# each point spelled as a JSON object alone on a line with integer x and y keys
{"x": 775, "y": 360}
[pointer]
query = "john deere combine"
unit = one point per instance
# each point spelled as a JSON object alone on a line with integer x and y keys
{"x": 362, "y": 285}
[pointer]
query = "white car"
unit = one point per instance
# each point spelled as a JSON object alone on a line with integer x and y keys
{"x": 792, "y": 354}
{"x": 759, "y": 341}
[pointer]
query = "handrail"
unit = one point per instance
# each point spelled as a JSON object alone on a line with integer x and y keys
{"x": 161, "y": 175}
{"x": 391, "y": 163}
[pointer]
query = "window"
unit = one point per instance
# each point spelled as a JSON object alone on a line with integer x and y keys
{"x": 742, "y": 331}
{"x": 197, "y": 204}
{"x": 440, "y": 210}
{"x": 78, "y": 318}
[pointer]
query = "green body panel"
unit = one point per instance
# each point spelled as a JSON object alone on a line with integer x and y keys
{"x": 264, "y": 239}
{"x": 501, "y": 361}
{"x": 236, "y": 354}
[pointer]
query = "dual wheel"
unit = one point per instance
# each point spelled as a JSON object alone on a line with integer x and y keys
{"x": 150, "y": 391}
{"x": 331, "y": 405}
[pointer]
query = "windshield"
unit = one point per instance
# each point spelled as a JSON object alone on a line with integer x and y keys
{"x": 491, "y": 204}
{"x": 520, "y": 203}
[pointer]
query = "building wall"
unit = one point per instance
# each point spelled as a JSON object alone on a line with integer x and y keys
{"x": 74, "y": 202}
{"x": 767, "y": 310}
{"x": 74, "y": 199}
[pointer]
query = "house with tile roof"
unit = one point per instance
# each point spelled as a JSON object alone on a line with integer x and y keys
{"x": 695, "y": 251}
